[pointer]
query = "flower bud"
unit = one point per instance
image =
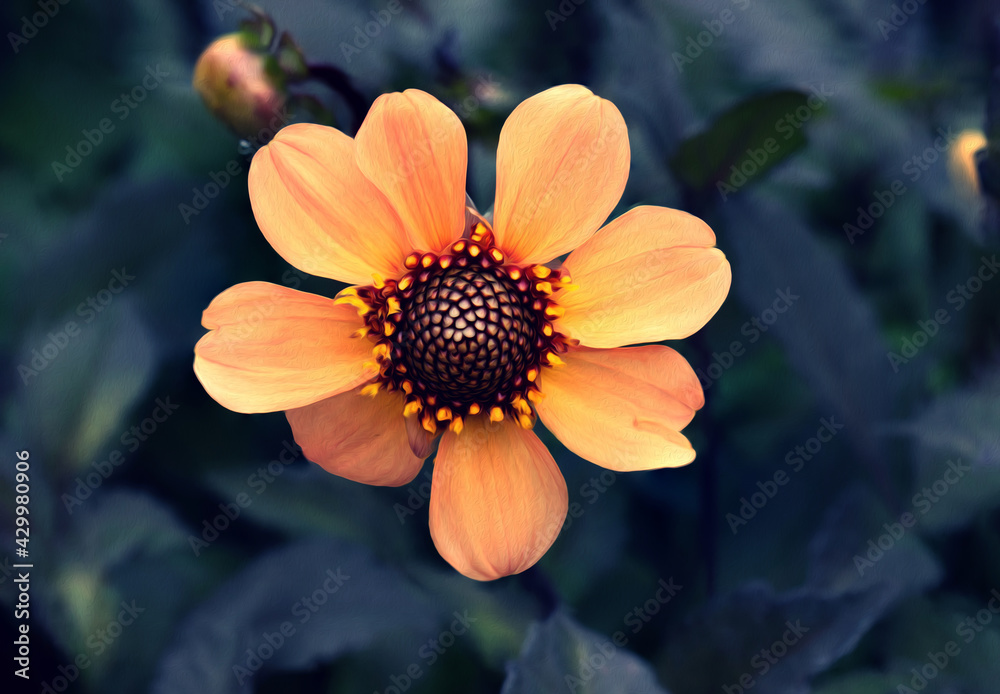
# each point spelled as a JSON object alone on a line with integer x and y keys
{"x": 962, "y": 161}
{"x": 242, "y": 87}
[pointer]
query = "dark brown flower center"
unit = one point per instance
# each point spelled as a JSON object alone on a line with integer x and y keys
{"x": 463, "y": 332}
{"x": 468, "y": 335}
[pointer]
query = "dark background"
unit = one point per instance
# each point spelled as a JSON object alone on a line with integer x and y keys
{"x": 789, "y": 566}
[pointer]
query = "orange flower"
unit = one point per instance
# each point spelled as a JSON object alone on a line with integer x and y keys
{"x": 456, "y": 328}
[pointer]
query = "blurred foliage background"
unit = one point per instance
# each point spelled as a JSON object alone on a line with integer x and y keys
{"x": 838, "y": 532}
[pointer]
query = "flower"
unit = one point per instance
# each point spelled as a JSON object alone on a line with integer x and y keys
{"x": 456, "y": 328}
{"x": 241, "y": 86}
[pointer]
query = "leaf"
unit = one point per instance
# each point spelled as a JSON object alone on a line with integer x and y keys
{"x": 307, "y": 500}
{"x": 829, "y": 333}
{"x": 757, "y": 638}
{"x": 289, "y": 610}
{"x": 958, "y": 428}
{"x": 560, "y": 654}
{"x": 122, "y": 550}
{"x": 746, "y": 140}
{"x": 908, "y": 567}
{"x": 91, "y": 375}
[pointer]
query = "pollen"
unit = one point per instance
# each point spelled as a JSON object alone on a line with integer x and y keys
{"x": 460, "y": 333}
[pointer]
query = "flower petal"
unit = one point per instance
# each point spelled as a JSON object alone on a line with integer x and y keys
{"x": 358, "y": 437}
{"x": 650, "y": 275}
{"x": 421, "y": 440}
{"x": 498, "y": 501}
{"x": 319, "y": 212}
{"x": 622, "y": 408}
{"x": 273, "y": 348}
{"x": 413, "y": 148}
{"x": 562, "y": 164}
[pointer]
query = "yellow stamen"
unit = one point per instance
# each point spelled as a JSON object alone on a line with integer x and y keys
{"x": 355, "y": 301}
{"x": 405, "y": 283}
{"x": 412, "y": 408}
{"x": 377, "y": 280}
{"x": 428, "y": 423}
{"x": 479, "y": 232}
{"x": 407, "y": 387}
{"x": 496, "y": 254}
{"x": 536, "y": 395}
{"x": 543, "y": 287}
{"x": 540, "y": 271}
{"x": 428, "y": 259}
{"x": 474, "y": 251}
{"x": 444, "y": 414}
{"x": 393, "y": 305}
{"x": 496, "y": 414}
{"x": 388, "y": 329}
{"x": 554, "y": 311}
{"x": 521, "y": 405}
{"x": 361, "y": 332}
{"x": 553, "y": 359}
{"x": 411, "y": 261}
{"x": 458, "y": 246}
{"x": 457, "y": 425}
{"x": 382, "y": 350}
{"x": 371, "y": 389}
{"x": 525, "y": 421}
{"x": 532, "y": 375}
{"x": 474, "y": 408}
{"x": 445, "y": 261}
{"x": 547, "y": 330}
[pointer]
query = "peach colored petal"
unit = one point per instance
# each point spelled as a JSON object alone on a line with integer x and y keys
{"x": 421, "y": 440}
{"x": 622, "y": 408}
{"x": 498, "y": 501}
{"x": 273, "y": 348}
{"x": 413, "y": 148}
{"x": 319, "y": 212}
{"x": 650, "y": 275}
{"x": 358, "y": 437}
{"x": 562, "y": 163}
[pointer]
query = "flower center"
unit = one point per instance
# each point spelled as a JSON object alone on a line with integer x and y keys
{"x": 463, "y": 332}
{"x": 468, "y": 335}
